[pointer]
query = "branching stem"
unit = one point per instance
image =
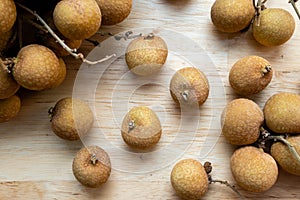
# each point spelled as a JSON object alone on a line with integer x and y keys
{"x": 208, "y": 168}
{"x": 61, "y": 42}
{"x": 228, "y": 185}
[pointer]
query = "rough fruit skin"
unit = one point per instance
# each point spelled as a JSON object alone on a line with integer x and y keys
{"x": 147, "y": 130}
{"x": 87, "y": 173}
{"x": 253, "y": 170}
{"x": 248, "y": 76}
{"x": 114, "y": 11}
{"x": 189, "y": 179}
{"x": 9, "y": 108}
{"x": 232, "y": 15}
{"x": 37, "y": 68}
{"x": 146, "y": 55}
{"x": 241, "y": 121}
{"x": 77, "y": 19}
{"x": 8, "y": 15}
{"x": 284, "y": 157}
{"x": 71, "y": 119}
{"x": 8, "y": 86}
{"x": 276, "y": 27}
{"x": 193, "y": 81}
{"x": 282, "y": 113}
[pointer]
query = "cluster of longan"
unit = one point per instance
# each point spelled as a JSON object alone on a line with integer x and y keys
{"x": 38, "y": 66}
{"x": 265, "y": 138}
{"x": 31, "y": 51}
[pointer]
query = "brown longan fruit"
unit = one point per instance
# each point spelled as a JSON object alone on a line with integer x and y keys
{"x": 8, "y": 86}
{"x": 9, "y": 108}
{"x": 141, "y": 128}
{"x": 71, "y": 118}
{"x": 275, "y": 27}
{"x": 241, "y": 121}
{"x": 189, "y": 179}
{"x": 250, "y": 75}
{"x": 114, "y": 11}
{"x": 146, "y": 55}
{"x": 91, "y": 166}
{"x": 8, "y": 15}
{"x": 253, "y": 169}
{"x": 282, "y": 114}
{"x": 232, "y": 15}
{"x": 37, "y": 68}
{"x": 77, "y": 19}
{"x": 284, "y": 157}
{"x": 189, "y": 87}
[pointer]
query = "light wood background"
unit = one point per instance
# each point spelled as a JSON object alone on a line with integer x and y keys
{"x": 36, "y": 164}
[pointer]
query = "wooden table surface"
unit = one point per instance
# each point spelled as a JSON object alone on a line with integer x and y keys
{"x": 36, "y": 164}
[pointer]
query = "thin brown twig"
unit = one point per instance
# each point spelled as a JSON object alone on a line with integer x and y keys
{"x": 61, "y": 42}
{"x": 295, "y": 7}
{"x": 208, "y": 169}
{"x": 228, "y": 185}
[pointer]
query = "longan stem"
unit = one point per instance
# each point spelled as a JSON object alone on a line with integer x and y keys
{"x": 258, "y": 8}
{"x": 94, "y": 159}
{"x": 267, "y": 69}
{"x": 61, "y": 42}
{"x": 295, "y": 7}
{"x": 289, "y": 145}
{"x": 208, "y": 168}
{"x": 185, "y": 95}
{"x": 232, "y": 187}
{"x": 131, "y": 125}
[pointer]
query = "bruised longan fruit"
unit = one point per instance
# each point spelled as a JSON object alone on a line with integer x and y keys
{"x": 8, "y": 15}
{"x": 275, "y": 27}
{"x": 91, "y": 166}
{"x": 189, "y": 87}
{"x": 71, "y": 118}
{"x": 284, "y": 157}
{"x": 146, "y": 55}
{"x": 189, "y": 179}
{"x": 250, "y": 75}
{"x": 232, "y": 15}
{"x": 282, "y": 113}
{"x": 77, "y": 19}
{"x": 241, "y": 121}
{"x": 9, "y": 108}
{"x": 141, "y": 128}
{"x": 8, "y": 86}
{"x": 253, "y": 169}
{"x": 114, "y": 11}
{"x": 37, "y": 68}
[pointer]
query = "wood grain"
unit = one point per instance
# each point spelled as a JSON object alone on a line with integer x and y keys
{"x": 36, "y": 164}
